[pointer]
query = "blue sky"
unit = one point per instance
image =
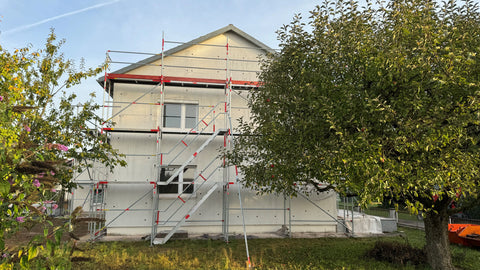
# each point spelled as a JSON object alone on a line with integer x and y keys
{"x": 92, "y": 27}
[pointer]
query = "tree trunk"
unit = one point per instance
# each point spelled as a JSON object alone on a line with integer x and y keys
{"x": 437, "y": 243}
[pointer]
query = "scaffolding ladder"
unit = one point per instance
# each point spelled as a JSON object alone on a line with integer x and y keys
{"x": 187, "y": 216}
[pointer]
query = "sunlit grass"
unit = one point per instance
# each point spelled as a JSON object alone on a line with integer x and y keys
{"x": 318, "y": 253}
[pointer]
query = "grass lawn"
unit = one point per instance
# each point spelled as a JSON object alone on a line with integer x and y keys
{"x": 320, "y": 253}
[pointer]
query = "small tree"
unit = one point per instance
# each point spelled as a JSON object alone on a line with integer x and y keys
{"x": 381, "y": 101}
{"x": 40, "y": 134}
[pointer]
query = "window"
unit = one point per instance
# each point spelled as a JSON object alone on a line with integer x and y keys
{"x": 180, "y": 184}
{"x": 180, "y": 115}
{"x": 97, "y": 196}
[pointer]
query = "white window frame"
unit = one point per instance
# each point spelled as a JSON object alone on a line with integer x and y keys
{"x": 181, "y": 185}
{"x": 98, "y": 196}
{"x": 182, "y": 115}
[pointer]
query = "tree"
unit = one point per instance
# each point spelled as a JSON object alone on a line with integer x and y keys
{"x": 40, "y": 135}
{"x": 380, "y": 101}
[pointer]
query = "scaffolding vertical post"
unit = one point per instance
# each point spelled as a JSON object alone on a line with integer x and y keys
{"x": 92, "y": 225}
{"x": 285, "y": 209}
{"x": 249, "y": 263}
{"x": 226, "y": 204}
{"x": 91, "y": 213}
{"x": 100, "y": 214}
{"x": 107, "y": 92}
{"x": 104, "y": 85}
{"x": 155, "y": 214}
{"x": 290, "y": 216}
{"x": 71, "y": 201}
{"x": 353, "y": 228}
{"x": 159, "y": 156}
{"x": 96, "y": 225}
{"x": 224, "y": 212}
{"x": 97, "y": 207}
{"x": 344, "y": 213}
{"x": 160, "y": 112}
{"x": 102, "y": 203}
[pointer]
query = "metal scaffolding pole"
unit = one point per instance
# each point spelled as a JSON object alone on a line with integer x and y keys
{"x": 158, "y": 164}
{"x": 226, "y": 203}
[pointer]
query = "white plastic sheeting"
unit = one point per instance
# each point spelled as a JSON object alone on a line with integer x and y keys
{"x": 362, "y": 223}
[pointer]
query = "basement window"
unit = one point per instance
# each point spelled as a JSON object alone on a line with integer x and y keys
{"x": 180, "y": 184}
{"x": 180, "y": 115}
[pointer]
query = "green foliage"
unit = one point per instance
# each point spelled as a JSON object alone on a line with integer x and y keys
{"x": 44, "y": 138}
{"x": 382, "y": 101}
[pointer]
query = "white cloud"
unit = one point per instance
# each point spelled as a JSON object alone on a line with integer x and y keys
{"x": 28, "y": 26}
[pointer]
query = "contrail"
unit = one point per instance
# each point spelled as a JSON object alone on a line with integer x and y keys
{"x": 28, "y": 26}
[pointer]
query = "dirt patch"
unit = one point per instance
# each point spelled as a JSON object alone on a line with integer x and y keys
{"x": 397, "y": 253}
{"x": 26, "y": 234}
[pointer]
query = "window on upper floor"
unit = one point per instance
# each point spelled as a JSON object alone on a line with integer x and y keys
{"x": 180, "y": 115}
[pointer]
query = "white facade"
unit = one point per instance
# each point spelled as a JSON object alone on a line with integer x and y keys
{"x": 153, "y": 109}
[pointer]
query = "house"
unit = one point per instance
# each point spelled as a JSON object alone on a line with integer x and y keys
{"x": 175, "y": 113}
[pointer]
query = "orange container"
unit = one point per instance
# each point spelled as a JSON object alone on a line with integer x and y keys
{"x": 471, "y": 235}
{"x": 464, "y": 234}
{"x": 454, "y": 230}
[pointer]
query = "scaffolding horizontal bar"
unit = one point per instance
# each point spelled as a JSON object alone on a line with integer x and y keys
{"x": 130, "y": 130}
{"x": 129, "y": 102}
{"x": 199, "y": 57}
{"x": 309, "y": 220}
{"x": 193, "y": 43}
{"x": 156, "y": 103}
{"x": 245, "y": 70}
{"x": 243, "y": 47}
{"x": 214, "y": 58}
{"x": 201, "y": 221}
{"x": 119, "y": 130}
{"x": 183, "y": 56}
{"x": 171, "y": 221}
{"x": 113, "y": 182}
{"x": 140, "y": 155}
{"x": 86, "y": 182}
{"x": 255, "y": 209}
{"x": 115, "y": 76}
{"x": 132, "y": 52}
{"x": 189, "y": 84}
{"x": 196, "y": 67}
{"x": 120, "y": 209}
{"x": 133, "y": 63}
{"x": 211, "y": 45}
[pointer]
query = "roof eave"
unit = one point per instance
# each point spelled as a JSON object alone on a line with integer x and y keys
{"x": 200, "y": 39}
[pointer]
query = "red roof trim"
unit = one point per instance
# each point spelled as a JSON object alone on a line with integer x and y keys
{"x": 113, "y": 76}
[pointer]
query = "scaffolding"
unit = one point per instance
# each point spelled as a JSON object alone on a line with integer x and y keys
{"x": 215, "y": 122}
{"x": 218, "y": 112}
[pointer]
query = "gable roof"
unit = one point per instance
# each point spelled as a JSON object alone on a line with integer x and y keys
{"x": 203, "y": 38}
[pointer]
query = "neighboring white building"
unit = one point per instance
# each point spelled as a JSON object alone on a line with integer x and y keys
{"x": 173, "y": 115}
